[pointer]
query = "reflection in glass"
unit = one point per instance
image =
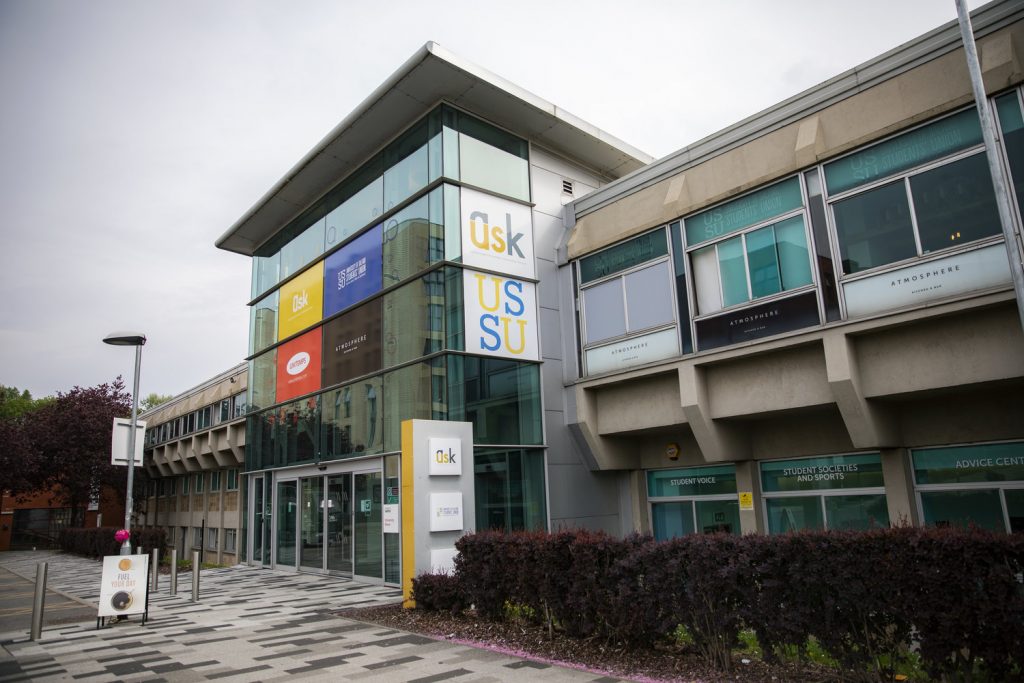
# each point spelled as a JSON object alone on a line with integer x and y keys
{"x": 794, "y": 513}
{"x": 492, "y": 159}
{"x": 955, "y": 203}
{"x": 718, "y": 516}
{"x": 874, "y": 228}
{"x": 367, "y": 528}
{"x": 262, "y": 380}
{"x": 311, "y": 552}
{"x": 509, "y": 487}
{"x": 392, "y": 550}
{"x": 339, "y": 523}
{"x": 409, "y": 393}
{"x": 413, "y": 238}
{"x": 406, "y": 166}
{"x": 266, "y": 272}
{"x": 1015, "y": 508}
{"x": 414, "y": 319}
{"x": 263, "y": 323}
{"x": 302, "y": 249}
{"x": 356, "y": 212}
{"x": 500, "y": 397}
{"x": 287, "y": 514}
{"x": 352, "y": 423}
{"x": 604, "y": 311}
{"x": 733, "y": 270}
{"x": 856, "y": 512}
{"x": 672, "y": 520}
{"x": 980, "y": 508}
{"x": 649, "y": 297}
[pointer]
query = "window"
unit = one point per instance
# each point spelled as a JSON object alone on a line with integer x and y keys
{"x": 940, "y": 197}
{"x": 168, "y": 486}
{"x": 184, "y": 485}
{"x": 203, "y": 417}
{"x": 225, "y": 410}
{"x": 492, "y": 159}
{"x": 211, "y": 538}
{"x": 695, "y": 499}
{"x": 509, "y": 488}
{"x": 197, "y": 482}
{"x": 229, "y": 540}
{"x": 197, "y": 537}
{"x": 238, "y": 405}
{"x": 832, "y": 492}
{"x": 263, "y": 323}
{"x": 500, "y": 397}
{"x": 190, "y": 424}
{"x": 262, "y": 381}
{"x": 981, "y": 485}
{"x": 411, "y": 329}
{"x": 232, "y": 483}
{"x": 215, "y": 481}
{"x": 764, "y": 251}
{"x": 352, "y": 421}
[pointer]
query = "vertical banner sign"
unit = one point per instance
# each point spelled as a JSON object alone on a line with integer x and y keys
{"x": 298, "y": 365}
{"x": 354, "y": 272}
{"x": 497, "y": 234}
{"x": 301, "y": 304}
{"x": 124, "y": 585}
{"x": 501, "y": 316}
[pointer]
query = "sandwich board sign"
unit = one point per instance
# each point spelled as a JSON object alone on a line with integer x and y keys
{"x": 124, "y": 586}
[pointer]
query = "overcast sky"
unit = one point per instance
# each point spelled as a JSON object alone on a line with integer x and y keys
{"x": 134, "y": 133}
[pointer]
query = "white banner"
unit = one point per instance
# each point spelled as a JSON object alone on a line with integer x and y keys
{"x": 497, "y": 234}
{"x": 631, "y": 352}
{"x": 921, "y": 282}
{"x": 501, "y": 316}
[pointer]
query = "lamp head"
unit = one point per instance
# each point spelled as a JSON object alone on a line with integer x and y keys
{"x": 125, "y": 339}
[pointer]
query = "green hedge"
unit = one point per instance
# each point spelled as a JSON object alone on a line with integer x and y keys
{"x": 98, "y": 542}
{"x": 870, "y": 599}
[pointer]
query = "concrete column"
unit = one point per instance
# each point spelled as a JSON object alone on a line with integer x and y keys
{"x": 899, "y": 486}
{"x": 748, "y": 479}
{"x": 718, "y": 442}
{"x": 868, "y": 424}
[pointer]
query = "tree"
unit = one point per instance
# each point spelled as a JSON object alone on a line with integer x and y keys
{"x": 68, "y": 443}
{"x": 14, "y": 404}
{"x": 153, "y": 400}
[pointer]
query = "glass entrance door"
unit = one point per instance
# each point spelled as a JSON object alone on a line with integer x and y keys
{"x": 311, "y": 537}
{"x": 369, "y": 555}
{"x": 287, "y": 517}
{"x": 259, "y": 542}
{"x": 339, "y": 523}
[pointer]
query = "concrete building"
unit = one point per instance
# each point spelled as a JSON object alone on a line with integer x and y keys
{"x": 805, "y": 320}
{"x": 194, "y": 452}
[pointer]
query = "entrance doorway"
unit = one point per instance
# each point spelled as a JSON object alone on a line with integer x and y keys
{"x": 329, "y": 523}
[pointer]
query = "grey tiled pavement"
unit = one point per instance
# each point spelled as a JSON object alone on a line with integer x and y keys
{"x": 249, "y": 625}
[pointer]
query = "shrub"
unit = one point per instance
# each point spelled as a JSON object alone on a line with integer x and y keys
{"x": 438, "y": 593}
{"x": 98, "y": 542}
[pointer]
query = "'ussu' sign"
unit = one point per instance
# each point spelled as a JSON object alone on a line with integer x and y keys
{"x": 501, "y": 315}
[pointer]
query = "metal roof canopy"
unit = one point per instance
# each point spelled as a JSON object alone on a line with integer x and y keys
{"x": 430, "y": 76}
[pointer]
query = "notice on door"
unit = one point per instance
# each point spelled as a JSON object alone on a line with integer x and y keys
{"x": 746, "y": 500}
{"x": 390, "y": 519}
{"x": 124, "y": 585}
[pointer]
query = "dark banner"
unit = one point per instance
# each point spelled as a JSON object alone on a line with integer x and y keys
{"x": 352, "y": 344}
{"x": 782, "y": 315}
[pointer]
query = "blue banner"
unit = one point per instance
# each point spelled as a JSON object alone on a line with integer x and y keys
{"x": 354, "y": 272}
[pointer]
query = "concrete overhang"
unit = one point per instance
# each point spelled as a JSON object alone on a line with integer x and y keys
{"x": 430, "y": 76}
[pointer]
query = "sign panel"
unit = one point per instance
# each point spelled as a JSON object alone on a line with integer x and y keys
{"x": 981, "y": 463}
{"x": 298, "y": 367}
{"x": 301, "y": 303}
{"x": 497, "y": 234}
{"x": 390, "y": 519}
{"x": 501, "y": 316}
{"x": 352, "y": 344}
{"x": 816, "y": 474}
{"x": 692, "y": 481}
{"x": 774, "y": 317}
{"x": 446, "y": 511}
{"x": 950, "y": 276}
{"x": 746, "y": 500}
{"x": 124, "y": 585}
{"x": 445, "y": 457}
{"x": 119, "y": 441}
{"x": 632, "y": 352}
{"x": 354, "y": 272}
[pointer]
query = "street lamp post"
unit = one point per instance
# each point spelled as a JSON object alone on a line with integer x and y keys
{"x": 136, "y": 339}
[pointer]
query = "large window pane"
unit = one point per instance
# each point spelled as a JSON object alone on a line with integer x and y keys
{"x": 406, "y": 166}
{"x": 493, "y": 159}
{"x": 311, "y": 520}
{"x": 1012, "y": 124}
{"x": 649, "y": 297}
{"x": 509, "y": 488}
{"x": 356, "y": 212}
{"x": 794, "y": 260}
{"x": 1015, "y": 509}
{"x": 856, "y": 512}
{"x": 411, "y": 241}
{"x": 414, "y": 319}
{"x": 263, "y": 323}
{"x": 353, "y": 420}
{"x": 266, "y": 272}
{"x": 500, "y": 397}
{"x": 302, "y": 249}
{"x": 646, "y": 247}
{"x": 734, "y": 272}
{"x": 874, "y": 228}
{"x": 794, "y": 513}
{"x": 963, "y": 508}
{"x": 297, "y": 431}
{"x": 409, "y": 393}
{"x": 705, "y": 280}
{"x": 748, "y": 210}
{"x": 604, "y": 311}
{"x": 262, "y": 380}
{"x": 671, "y": 520}
{"x": 764, "y": 262}
{"x": 714, "y": 516}
{"x": 955, "y": 203}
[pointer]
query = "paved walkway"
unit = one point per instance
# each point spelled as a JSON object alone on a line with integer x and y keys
{"x": 249, "y": 625}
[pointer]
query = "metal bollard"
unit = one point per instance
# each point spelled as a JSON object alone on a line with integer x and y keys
{"x": 155, "y": 560}
{"x": 195, "y": 576}
{"x": 38, "y": 602}
{"x": 174, "y": 571}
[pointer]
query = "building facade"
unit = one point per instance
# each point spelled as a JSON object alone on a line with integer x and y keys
{"x": 193, "y": 455}
{"x": 805, "y": 320}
